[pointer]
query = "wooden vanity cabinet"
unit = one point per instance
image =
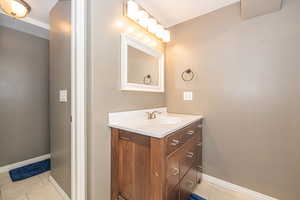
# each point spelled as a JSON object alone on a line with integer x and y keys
{"x": 148, "y": 168}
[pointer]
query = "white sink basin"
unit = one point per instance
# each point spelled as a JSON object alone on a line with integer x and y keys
{"x": 168, "y": 120}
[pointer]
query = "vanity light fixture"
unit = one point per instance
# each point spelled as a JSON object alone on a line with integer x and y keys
{"x": 141, "y": 17}
{"x": 152, "y": 25}
{"x": 15, "y": 8}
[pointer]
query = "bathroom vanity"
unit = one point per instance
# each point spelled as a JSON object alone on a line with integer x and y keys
{"x": 157, "y": 159}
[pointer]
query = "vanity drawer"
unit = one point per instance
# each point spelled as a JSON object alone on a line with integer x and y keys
{"x": 174, "y": 142}
{"x": 188, "y": 133}
{"x": 189, "y": 156}
{"x": 173, "y": 170}
{"x": 194, "y": 129}
{"x": 181, "y": 136}
{"x": 188, "y": 184}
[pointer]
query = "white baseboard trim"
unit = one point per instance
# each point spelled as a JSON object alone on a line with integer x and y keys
{"x": 59, "y": 189}
{"x": 23, "y": 163}
{"x": 236, "y": 188}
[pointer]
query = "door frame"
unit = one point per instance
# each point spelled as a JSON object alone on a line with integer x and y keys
{"x": 78, "y": 99}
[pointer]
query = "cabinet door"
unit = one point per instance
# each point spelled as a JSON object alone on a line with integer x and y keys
{"x": 189, "y": 156}
{"x": 188, "y": 184}
{"x": 173, "y": 194}
{"x": 173, "y": 170}
{"x": 134, "y": 167}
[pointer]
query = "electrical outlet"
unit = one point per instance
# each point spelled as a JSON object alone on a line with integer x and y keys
{"x": 187, "y": 96}
{"x": 63, "y": 96}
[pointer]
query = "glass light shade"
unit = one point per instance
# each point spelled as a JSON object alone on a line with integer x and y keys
{"x": 132, "y": 10}
{"x": 15, "y": 8}
{"x": 143, "y": 18}
{"x": 159, "y": 31}
{"x": 166, "y": 36}
{"x": 152, "y": 24}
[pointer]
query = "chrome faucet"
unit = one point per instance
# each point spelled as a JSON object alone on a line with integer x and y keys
{"x": 153, "y": 115}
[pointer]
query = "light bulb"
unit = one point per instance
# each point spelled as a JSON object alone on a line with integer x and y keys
{"x": 166, "y": 36}
{"x": 132, "y": 10}
{"x": 143, "y": 18}
{"x": 152, "y": 24}
{"x": 18, "y": 8}
{"x": 159, "y": 31}
{"x": 15, "y": 8}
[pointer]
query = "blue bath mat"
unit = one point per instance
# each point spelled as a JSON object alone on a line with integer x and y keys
{"x": 196, "y": 197}
{"x": 29, "y": 170}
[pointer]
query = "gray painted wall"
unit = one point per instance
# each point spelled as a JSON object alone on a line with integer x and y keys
{"x": 104, "y": 92}
{"x": 248, "y": 88}
{"x": 24, "y": 128}
{"x": 60, "y": 79}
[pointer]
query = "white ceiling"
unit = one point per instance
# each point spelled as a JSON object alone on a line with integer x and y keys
{"x": 168, "y": 12}
{"x": 172, "y": 12}
{"x": 40, "y": 9}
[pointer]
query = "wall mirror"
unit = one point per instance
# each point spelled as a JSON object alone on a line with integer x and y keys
{"x": 142, "y": 67}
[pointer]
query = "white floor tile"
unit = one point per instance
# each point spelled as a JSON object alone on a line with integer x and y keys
{"x": 204, "y": 190}
{"x": 45, "y": 177}
{"x": 18, "y": 189}
{"x": 210, "y": 191}
{"x": 4, "y": 179}
{"x": 35, "y": 188}
{"x": 46, "y": 192}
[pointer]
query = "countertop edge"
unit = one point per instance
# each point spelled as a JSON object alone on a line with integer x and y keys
{"x": 164, "y": 134}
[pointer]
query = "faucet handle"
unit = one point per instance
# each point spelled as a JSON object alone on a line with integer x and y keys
{"x": 149, "y": 114}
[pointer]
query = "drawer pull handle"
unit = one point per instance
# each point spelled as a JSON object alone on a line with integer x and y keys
{"x": 175, "y": 171}
{"x": 199, "y": 144}
{"x": 175, "y": 142}
{"x": 200, "y": 167}
{"x": 190, "y": 154}
{"x": 190, "y": 132}
{"x": 200, "y": 126}
{"x": 121, "y": 198}
{"x": 124, "y": 138}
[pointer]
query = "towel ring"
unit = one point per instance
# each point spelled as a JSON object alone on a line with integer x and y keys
{"x": 189, "y": 72}
{"x": 148, "y": 77}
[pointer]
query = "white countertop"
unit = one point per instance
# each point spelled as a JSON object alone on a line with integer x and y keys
{"x": 137, "y": 122}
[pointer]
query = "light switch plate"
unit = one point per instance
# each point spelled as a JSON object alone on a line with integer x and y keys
{"x": 187, "y": 96}
{"x": 63, "y": 96}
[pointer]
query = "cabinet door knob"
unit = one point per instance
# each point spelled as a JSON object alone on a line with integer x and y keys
{"x": 175, "y": 142}
{"x": 199, "y": 144}
{"x": 190, "y": 132}
{"x": 200, "y": 126}
{"x": 175, "y": 171}
{"x": 190, "y": 154}
{"x": 200, "y": 167}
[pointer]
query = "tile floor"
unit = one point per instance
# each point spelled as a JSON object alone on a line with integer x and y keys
{"x": 211, "y": 191}
{"x": 35, "y": 188}
{"x": 39, "y": 188}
